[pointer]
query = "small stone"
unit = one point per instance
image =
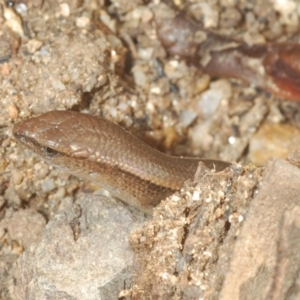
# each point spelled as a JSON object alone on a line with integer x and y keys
{"x": 64, "y": 9}
{"x": 219, "y": 213}
{"x": 16, "y": 176}
{"x": 108, "y": 20}
{"x": 187, "y": 117}
{"x": 145, "y": 53}
{"x": 48, "y": 185}
{"x": 139, "y": 76}
{"x": 5, "y": 69}
{"x": 210, "y": 99}
{"x": 202, "y": 83}
{"x": 13, "y": 21}
{"x": 13, "y": 112}
{"x": 12, "y": 197}
{"x": 276, "y": 140}
{"x": 82, "y": 22}
{"x": 41, "y": 170}
{"x": 58, "y": 85}
{"x": 196, "y": 196}
{"x": 33, "y": 45}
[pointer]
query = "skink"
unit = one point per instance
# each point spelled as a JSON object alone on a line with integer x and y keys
{"x": 98, "y": 150}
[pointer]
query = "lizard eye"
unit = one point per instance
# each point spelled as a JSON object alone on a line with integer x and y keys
{"x": 49, "y": 152}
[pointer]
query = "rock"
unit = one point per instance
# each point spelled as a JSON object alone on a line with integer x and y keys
{"x": 286, "y": 280}
{"x": 263, "y": 253}
{"x": 210, "y": 99}
{"x": 183, "y": 252}
{"x": 179, "y": 254}
{"x": 273, "y": 140}
{"x": 83, "y": 254}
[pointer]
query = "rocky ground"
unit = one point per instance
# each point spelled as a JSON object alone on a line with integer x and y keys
{"x": 227, "y": 235}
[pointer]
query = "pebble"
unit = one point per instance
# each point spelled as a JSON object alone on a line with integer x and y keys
{"x": 187, "y": 117}
{"x": 33, "y": 45}
{"x": 48, "y": 185}
{"x": 210, "y": 99}
{"x": 13, "y": 112}
{"x": 16, "y": 176}
{"x": 139, "y": 76}
{"x": 273, "y": 140}
{"x": 64, "y": 9}
{"x": 82, "y": 22}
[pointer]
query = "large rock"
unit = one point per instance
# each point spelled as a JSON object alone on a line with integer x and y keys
{"x": 84, "y": 253}
{"x": 265, "y": 263}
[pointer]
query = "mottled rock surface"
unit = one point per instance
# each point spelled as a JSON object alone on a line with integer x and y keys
{"x": 83, "y": 254}
{"x": 263, "y": 261}
{"x": 232, "y": 235}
